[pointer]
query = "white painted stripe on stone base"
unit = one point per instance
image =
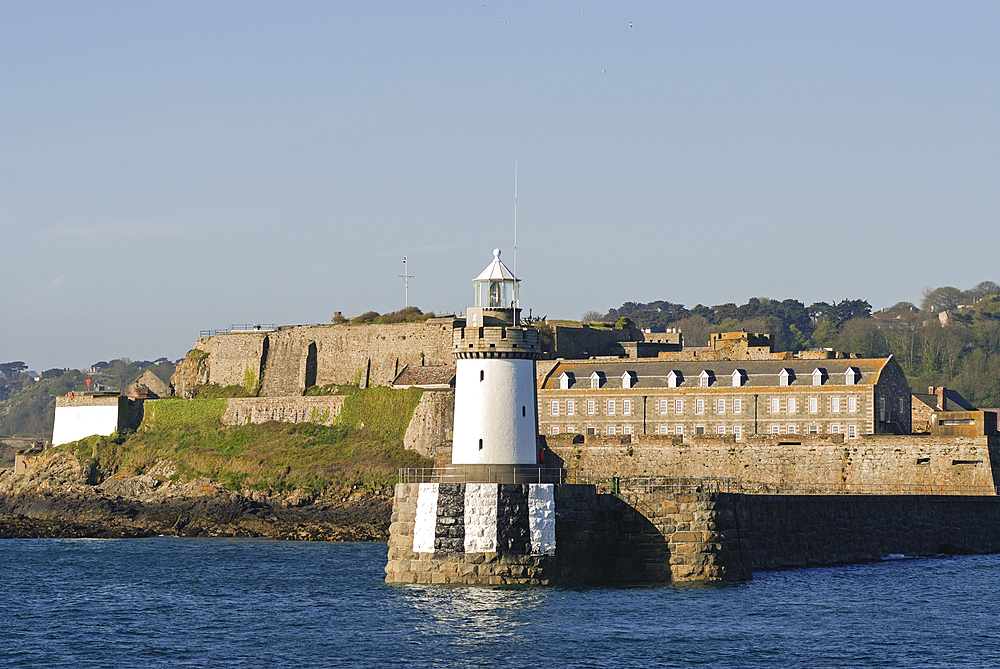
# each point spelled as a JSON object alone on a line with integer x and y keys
{"x": 426, "y": 521}
{"x": 481, "y": 518}
{"x": 542, "y": 518}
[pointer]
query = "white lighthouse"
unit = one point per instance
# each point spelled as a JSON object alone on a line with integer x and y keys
{"x": 496, "y": 408}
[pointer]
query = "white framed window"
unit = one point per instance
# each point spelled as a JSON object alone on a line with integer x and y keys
{"x": 591, "y": 430}
{"x": 663, "y": 429}
{"x": 791, "y": 405}
{"x": 835, "y": 429}
{"x": 591, "y": 407}
{"x": 626, "y": 429}
{"x": 663, "y": 406}
{"x": 555, "y": 408}
{"x": 570, "y": 407}
{"x": 699, "y": 429}
{"x": 699, "y": 406}
{"x": 611, "y": 429}
{"x": 775, "y": 405}
{"x": 678, "y": 406}
{"x": 720, "y": 406}
{"x": 813, "y": 404}
{"x": 555, "y": 430}
{"x": 835, "y": 404}
{"x": 852, "y": 431}
{"x": 738, "y": 432}
{"x": 611, "y": 407}
{"x": 627, "y": 407}
{"x": 721, "y": 429}
{"x": 678, "y": 429}
{"x": 738, "y": 405}
{"x": 571, "y": 430}
{"x": 775, "y": 429}
{"x": 814, "y": 429}
{"x": 791, "y": 429}
{"x": 595, "y": 380}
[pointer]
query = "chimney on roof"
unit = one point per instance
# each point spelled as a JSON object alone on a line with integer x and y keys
{"x": 939, "y": 392}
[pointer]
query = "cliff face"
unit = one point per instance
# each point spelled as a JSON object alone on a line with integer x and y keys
{"x": 57, "y": 496}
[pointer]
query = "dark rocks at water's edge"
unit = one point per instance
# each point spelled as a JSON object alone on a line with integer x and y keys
{"x": 56, "y": 497}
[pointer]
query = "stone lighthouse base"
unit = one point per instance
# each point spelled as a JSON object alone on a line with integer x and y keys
{"x": 544, "y": 533}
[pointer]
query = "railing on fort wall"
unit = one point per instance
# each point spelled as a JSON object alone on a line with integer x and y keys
{"x": 481, "y": 474}
{"x": 617, "y": 485}
{"x": 715, "y": 485}
{"x": 240, "y": 327}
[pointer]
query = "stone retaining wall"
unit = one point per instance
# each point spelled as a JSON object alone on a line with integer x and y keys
{"x": 823, "y": 461}
{"x": 322, "y": 410}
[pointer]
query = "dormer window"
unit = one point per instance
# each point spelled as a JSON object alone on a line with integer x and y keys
{"x": 786, "y": 377}
{"x": 852, "y": 376}
{"x": 705, "y": 378}
{"x": 596, "y": 380}
{"x": 566, "y": 381}
{"x": 628, "y": 380}
{"x": 674, "y": 379}
{"x": 739, "y": 378}
{"x": 819, "y": 376}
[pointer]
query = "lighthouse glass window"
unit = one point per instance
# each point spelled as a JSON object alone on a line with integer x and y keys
{"x": 496, "y": 294}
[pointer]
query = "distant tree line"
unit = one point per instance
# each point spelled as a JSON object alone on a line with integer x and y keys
{"x": 960, "y": 349}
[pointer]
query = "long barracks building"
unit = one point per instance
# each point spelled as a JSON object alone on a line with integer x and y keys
{"x": 713, "y": 396}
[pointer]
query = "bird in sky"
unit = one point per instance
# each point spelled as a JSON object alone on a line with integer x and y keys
{"x": 604, "y": 71}
{"x": 629, "y": 23}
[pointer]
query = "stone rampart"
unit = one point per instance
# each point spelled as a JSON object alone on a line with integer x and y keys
{"x": 882, "y": 460}
{"x": 288, "y": 360}
{"x": 231, "y": 355}
{"x": 431, "y": 424}
{"x": 322, "y": 410}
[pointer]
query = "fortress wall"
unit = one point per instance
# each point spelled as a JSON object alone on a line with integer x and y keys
{"x": 231, "y": 354}
{"x": 431, "y": 423}
{"x": 377, "y": 352}
{"x": 323, "y": 410}
{"x": 583, "y": 342}
{"x": 866, "y": 461}
{"x": 344, "y": 354}
{"x": 285, "y": 369}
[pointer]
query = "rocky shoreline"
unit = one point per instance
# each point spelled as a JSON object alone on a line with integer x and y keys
{"x": 56, "y": 496}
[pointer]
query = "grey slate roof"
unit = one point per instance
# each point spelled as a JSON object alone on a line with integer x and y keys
{"x": 759, "y": 373}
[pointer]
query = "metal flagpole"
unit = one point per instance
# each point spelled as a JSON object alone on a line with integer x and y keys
{"x": 406, "y": 282}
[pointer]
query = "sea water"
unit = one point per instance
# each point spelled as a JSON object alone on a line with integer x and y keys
{"x": 174, "y": 602}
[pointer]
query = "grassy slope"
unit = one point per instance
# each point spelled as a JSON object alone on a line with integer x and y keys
{"x": 364, "y": 449}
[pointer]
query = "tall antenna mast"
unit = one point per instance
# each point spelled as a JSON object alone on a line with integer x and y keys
{"x": 406, "y": 282}
{"x": 515, "y": 235}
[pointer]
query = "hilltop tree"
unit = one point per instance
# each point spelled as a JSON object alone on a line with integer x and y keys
{"x": 945, "y": 298}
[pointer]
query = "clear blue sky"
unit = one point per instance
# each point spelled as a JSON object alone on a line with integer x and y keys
{"x": 172, "y": 167}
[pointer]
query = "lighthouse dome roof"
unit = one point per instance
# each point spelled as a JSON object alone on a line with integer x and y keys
{"x": 496, "y": 271}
